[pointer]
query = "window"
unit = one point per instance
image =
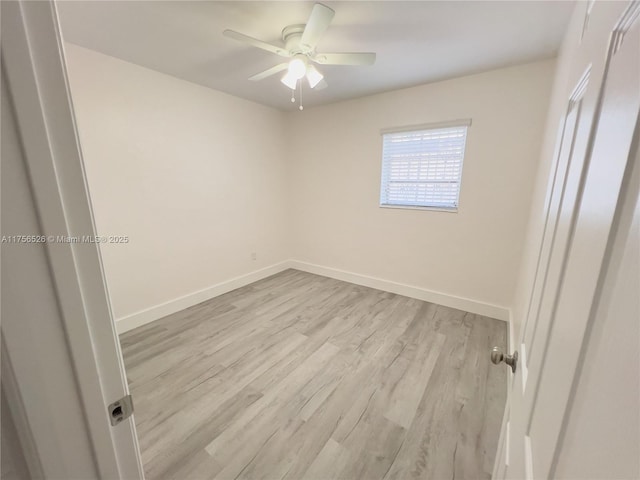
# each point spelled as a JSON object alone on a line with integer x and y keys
{"x": 422, "y": 166}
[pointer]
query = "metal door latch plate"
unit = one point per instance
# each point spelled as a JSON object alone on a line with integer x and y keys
{"x": 120, "y": 410}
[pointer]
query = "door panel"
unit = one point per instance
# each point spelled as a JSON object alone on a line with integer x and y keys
{"x": 557, "y": 234}
{"x": 567, "y": 143}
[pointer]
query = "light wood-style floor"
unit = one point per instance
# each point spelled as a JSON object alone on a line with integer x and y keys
{"x": 301, "y": 376}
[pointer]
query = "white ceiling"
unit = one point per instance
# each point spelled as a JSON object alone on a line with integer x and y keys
{"x": 416, "y": 41}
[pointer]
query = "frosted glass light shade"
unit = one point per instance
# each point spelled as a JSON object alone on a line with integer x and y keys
{"x": 297, "y": 68}
{"x": 289, "y": 80}
{"x": 313, "y": 76}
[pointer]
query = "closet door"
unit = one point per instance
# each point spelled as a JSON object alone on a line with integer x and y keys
{"x": 594, "y": 160}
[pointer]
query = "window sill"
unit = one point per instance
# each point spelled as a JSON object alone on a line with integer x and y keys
{"x": 433, "y": 209}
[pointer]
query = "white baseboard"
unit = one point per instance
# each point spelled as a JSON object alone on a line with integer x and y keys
{"x": 156, "y": 312}
{"x": 460, "y": 303}
{"x": 148, "y": 315}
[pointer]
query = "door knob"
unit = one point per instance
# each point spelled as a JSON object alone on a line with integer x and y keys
{"x": 497, "y": 357}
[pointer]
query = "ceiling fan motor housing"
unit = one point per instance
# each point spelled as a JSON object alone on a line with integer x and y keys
{"x": 291, "y": 36}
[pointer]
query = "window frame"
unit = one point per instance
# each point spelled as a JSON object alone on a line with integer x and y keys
{"x": 417, "y": 128}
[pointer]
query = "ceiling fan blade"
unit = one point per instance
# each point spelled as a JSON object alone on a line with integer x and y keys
{"x": 322, "y": 84}
{"x": 269, "y": 72}
{"x": 345, "y": 58}
{"x": 241, "y": 37}
{"x": 318, "y": 22}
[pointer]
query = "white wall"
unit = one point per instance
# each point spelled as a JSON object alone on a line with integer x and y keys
{"x": 334, "y": 175}
{"x": 194, "y": 177}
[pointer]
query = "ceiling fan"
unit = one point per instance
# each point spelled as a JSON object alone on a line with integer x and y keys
{"x": 300, "y": 46}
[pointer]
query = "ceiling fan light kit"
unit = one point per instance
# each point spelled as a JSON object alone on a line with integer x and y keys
{"x": 300, "y": 44}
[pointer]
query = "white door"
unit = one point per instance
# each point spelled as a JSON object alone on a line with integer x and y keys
{"x": 594, "y": 159}
{"x": 58, "y": 328}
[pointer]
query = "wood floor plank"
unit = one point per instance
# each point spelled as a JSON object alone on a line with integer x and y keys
{"x": 301, "y": 376}
{"x": 283, "y": 391}
{"x": 185, "y": 457}
{"x": 408, "y": 393}
{"x": 306, "y": 443}
{"x": 202, "y": 403}
{"x": 330, "y": 462}
{"x": 428, "y": 450}
{"x": 239, "y": 444}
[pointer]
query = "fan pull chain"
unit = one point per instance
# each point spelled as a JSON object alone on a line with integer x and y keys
{"x": 301, "y": 107}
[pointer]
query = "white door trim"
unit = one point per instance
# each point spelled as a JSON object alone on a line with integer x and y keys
{"x": 33, "y": 59}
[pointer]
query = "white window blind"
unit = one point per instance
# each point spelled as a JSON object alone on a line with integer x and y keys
{"x": 423, "y": 168}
